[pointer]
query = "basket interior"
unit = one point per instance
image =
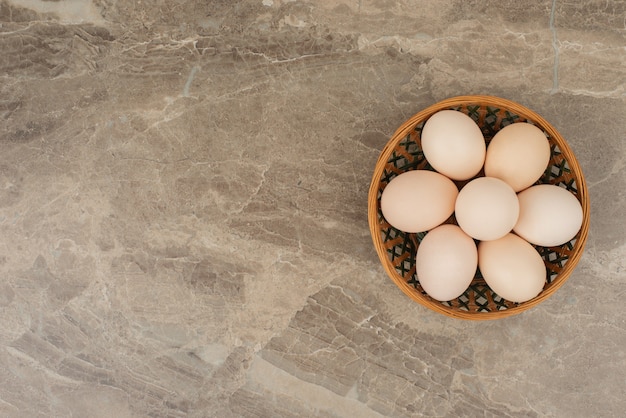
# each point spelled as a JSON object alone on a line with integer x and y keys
{"x": 401, "y": 247}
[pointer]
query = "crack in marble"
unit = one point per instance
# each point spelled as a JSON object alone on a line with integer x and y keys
{"x": 255, "y": 191}
{"x": 192, "y": 74}
{"x": 617, "y": 167}
{"x": 280, "y": 61}
{"x": 41, "y": 367}
{"x": 555, "y": 47}
{"x": 618, "y": 92}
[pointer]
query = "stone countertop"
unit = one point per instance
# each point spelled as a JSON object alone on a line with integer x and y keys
{"x": 183, "y": 208}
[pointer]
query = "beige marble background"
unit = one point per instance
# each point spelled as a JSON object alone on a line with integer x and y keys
{"x": 183, "y": 226}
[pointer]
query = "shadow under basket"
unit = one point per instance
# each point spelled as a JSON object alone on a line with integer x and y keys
{"x": 397, "y": 249}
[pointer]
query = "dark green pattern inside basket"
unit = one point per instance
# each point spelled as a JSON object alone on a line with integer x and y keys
{"x": 402, "y": 247}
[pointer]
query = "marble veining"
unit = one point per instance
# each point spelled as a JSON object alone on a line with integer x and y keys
{"x": 183, "y": 191}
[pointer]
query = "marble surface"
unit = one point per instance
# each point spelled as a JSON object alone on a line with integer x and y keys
{"x": 183, "y": 190}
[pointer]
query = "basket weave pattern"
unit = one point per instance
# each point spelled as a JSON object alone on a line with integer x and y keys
{"x": 397, "y": 249}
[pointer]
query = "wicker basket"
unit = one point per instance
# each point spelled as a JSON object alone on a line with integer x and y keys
{"x": 397, "y": 249}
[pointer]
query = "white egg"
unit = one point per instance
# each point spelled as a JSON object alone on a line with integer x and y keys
{"x": 549, "y": 215}
{"x": 512, "y": 268}
{"x": 418, "y": 200}
{"x": 486, "y": 208}
{"x": 453, "y": 144}
{"x": 446, "y": 262}
{"x": 518, "y": 154}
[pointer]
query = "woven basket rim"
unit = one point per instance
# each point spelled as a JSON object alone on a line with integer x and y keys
{"x": 403, "y": 131}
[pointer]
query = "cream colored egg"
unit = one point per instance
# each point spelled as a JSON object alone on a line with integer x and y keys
{"x": 486, "y": 208}
{"x": 446, "y": 262}
{"x": 512, "y": 268}
{"x": 549, "y": 215}
{"x": 518, "y": 154}
{"x": 453, "y": 144}
{"x": 418, "y": 200}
